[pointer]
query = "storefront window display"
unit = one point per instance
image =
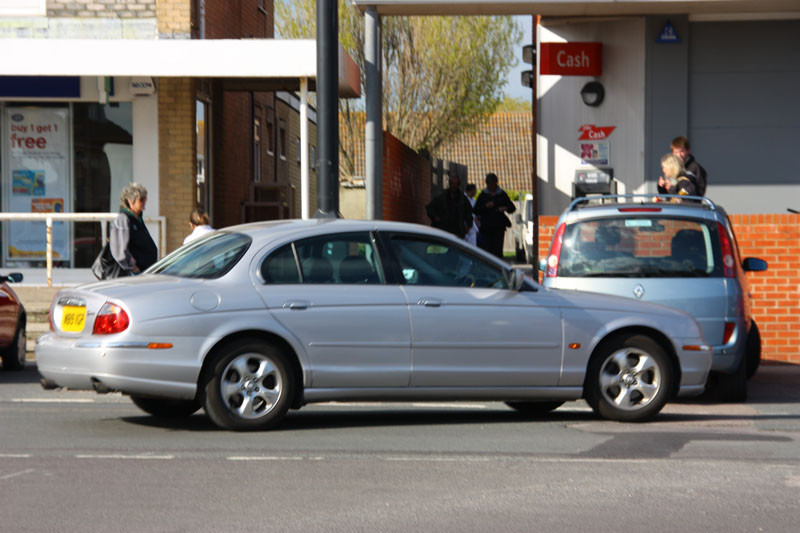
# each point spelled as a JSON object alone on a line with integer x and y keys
{"x": 62, "y": 158}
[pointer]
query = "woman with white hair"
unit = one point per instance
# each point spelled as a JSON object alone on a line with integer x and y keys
{"x": 130, "y": 242}
{"x": 673, "y": 179}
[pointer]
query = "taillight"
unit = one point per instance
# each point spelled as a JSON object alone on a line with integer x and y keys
{"x": 728, "y": 262}
{"x": 729, "y": 329}
{"x": 555, "y": 252}
{"x": 111, "y": 319}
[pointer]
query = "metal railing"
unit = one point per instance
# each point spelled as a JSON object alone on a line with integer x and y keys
{"x": 48, "y": 219}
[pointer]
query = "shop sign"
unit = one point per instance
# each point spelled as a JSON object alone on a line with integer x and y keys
{"x": 590, "y": 132}
{"x": 571, "y": 59}
{"x": 37, "y": 166}
{"x": 142, "y": 85}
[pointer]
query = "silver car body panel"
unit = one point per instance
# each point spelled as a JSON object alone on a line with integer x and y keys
{"x": 359, "y": 341}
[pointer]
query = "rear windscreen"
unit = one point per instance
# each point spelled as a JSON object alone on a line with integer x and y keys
{"x": 640, "y": 247}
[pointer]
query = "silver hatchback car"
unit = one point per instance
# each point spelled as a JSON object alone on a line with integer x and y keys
{"x": 256, "y": 319}
{"x": 676, "y": 251}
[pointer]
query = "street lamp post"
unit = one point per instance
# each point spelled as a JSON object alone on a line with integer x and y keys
{"x": 327, "y": 109}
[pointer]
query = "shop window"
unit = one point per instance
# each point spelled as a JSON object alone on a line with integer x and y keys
{"x": 257, "y": 150}
{"x": 313, "y": 158}
{"x": 203, "y": 175}
{"x": 299, "y": 148}
{"x": 282, "y": 138}
{"x": 270, "y": 131}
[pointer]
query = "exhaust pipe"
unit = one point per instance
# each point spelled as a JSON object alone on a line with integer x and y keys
{"x": 48, "y": 384}
{"x": 99, "y": 387}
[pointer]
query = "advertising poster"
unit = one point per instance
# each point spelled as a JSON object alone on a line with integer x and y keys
{"x": 37, "y": 166}
{"x": 594, "y": 153}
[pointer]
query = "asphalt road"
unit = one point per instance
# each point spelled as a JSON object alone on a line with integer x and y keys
{"x": 77, "y": 461}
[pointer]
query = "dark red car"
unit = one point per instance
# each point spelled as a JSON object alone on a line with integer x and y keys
{"x": 12, "y": 325}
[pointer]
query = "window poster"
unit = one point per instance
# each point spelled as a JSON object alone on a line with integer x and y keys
{"x": 36, "y": 179}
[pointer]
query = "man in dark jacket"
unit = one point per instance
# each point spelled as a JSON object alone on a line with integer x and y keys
{"x": 694, "y": 171}
{"x": 491, "y": 206}
{"x": 451, "y": 210}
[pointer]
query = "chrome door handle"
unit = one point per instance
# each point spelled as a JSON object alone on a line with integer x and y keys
{"x": 430, "y": 302}
{"x": 297, "y": 305}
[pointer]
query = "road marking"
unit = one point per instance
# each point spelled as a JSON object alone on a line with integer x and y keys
{"x": 15, "y": 455}
{"x": 52, "y": 400}
{"x": 121, "y": 456}
{"x": 15, "y": 474}
{"x": 272, "y": 458}
{"x": 389, "y": 405}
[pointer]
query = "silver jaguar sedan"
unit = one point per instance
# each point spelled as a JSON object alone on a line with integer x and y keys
{"x": 253, "y": 320}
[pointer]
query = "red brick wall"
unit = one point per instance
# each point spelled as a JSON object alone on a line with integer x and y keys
{"x": 776, "y": 292}
{"x": 406, "y": 182}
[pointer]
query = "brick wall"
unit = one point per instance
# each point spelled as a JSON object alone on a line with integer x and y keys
{"x": 174, "y": 19}
{"x": 406, "y": 182}
{"x": 103, "y": 8}
{"x": 176, "y": 148}
{"x": 776, "y": 292}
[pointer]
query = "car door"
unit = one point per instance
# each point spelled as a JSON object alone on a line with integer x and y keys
{"x": 468, "y": 329}
{"x": 330, "y": 292}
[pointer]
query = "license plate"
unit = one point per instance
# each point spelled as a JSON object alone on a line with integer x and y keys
{"x": 73, "y": 318}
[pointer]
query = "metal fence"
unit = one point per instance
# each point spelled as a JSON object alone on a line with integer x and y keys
{"x": 48, "y": 219}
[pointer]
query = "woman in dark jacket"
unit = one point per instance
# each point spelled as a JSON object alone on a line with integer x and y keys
{"x": 130, "y": 242}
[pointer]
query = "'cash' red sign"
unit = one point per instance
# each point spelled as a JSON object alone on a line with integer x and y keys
{"x": 571, "y": 59}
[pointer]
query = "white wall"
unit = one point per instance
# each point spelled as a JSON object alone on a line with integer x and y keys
{"x": 145, "y": 149}
{"x": 562, "y": 112}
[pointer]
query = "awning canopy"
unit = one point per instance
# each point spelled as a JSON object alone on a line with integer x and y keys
{"x": 248, "y": 64}
{"x": 574, "y": 8}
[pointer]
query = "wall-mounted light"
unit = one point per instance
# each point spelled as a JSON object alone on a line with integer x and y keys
{"x": 593, "y": 93}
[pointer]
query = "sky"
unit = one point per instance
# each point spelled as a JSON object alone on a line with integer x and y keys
{"x": 514, "y": 86}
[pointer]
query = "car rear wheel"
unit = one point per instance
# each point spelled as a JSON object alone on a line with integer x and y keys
{"x": 14, "y": 355}
{"x": 250, "y": 386}
{"x": 629, "y": 379}
{"x": 753, "y": 350}
{"x": 166, "y": 408}
{"x": 535, "y": 409}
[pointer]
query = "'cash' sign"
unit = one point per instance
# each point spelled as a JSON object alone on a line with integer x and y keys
{"x": 571, "y": 59}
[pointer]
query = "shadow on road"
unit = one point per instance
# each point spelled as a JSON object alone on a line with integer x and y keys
{"x": 27, "y": 375}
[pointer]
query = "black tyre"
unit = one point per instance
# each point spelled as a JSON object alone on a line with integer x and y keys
{"x": 14, "y": 356}
{"x": 166, "y": 408}
{"x": 249, "y": 386}
{"x": 629, "y": 379}
{"x": 753, "y": 350}
{"x": 730, "y": 387}
{"x": 535, "y": 409}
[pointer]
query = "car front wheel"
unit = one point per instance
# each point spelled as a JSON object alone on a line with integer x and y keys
{"x": 629, "y": 379}
{"x": 249, "y": 386}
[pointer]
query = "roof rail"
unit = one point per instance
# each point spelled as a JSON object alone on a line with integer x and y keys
{"x": 642, "y": 199}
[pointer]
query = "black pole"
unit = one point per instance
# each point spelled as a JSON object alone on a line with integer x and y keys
{"x": 327, "y": 109}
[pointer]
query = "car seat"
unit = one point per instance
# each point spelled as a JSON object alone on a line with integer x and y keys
{"x": 356, "y": 269}
{"x": 317, "y": 270}
{"x": 688, "y": 245}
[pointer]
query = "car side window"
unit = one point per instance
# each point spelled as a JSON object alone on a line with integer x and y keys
{"x": 348, "y": 258}
{"x": 425, "y": 261}
{"x": 281, "y": 266}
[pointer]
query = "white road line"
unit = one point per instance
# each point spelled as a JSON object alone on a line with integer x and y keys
{"x": 453, "y": 405}
{"x": 15, "y": 474}
{"x": 272, "y": 458}
{"x": 121, "y": 456}
{"x": 15, "y": 455}
{"x": 52, "y": 400}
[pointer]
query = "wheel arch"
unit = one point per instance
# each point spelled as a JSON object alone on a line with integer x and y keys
{"x": 657, "y": 336}
{"x": 268, "y": 338}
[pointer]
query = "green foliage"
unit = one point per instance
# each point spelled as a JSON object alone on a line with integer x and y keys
{"x": 442, "y": 76}
{"x": 509, "y": 104}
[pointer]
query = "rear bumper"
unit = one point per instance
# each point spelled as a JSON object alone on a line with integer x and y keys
{"x": 128, "y": 370}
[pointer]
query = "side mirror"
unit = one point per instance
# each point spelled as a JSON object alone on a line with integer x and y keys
{"x": 516, "y": 278}
{"x": 15, "y": 277}
{"x": 754, "y": 264}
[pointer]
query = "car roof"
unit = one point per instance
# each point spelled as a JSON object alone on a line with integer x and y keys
{"x": 643, "y": 205}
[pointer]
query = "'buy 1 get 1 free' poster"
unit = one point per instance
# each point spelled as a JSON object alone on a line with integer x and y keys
{"x": 36, "y": 179}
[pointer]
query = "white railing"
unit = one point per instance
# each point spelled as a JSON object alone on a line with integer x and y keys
{"x": 48, "y": 219}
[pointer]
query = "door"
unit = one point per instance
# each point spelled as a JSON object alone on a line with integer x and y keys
{"x": 468, "y": 329}
{"x": 330, "y": 292}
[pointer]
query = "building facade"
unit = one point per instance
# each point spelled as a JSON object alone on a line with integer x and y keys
{"x": 71, "y": 143}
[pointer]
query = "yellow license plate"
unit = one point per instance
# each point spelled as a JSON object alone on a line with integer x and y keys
{"x": 73, "y": 318}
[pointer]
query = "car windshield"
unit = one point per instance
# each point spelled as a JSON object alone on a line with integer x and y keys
{"x": 641, "y": 247}
{"x": 207, "y": 258}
